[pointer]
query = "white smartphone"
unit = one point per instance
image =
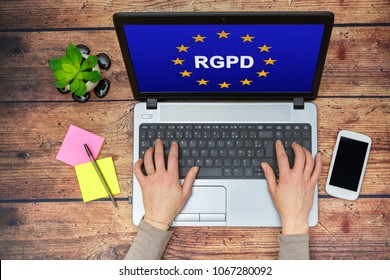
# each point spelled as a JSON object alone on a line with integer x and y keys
{"x": 348, "y": 165}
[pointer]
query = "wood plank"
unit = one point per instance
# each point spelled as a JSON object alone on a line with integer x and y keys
{"x": 25, "y": 74}
{"x": 32, "y": 134}
{"x": 347, "y": 230}
{"x": 70, "y": 14}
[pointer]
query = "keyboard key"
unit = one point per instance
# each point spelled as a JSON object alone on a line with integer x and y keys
{"x": 211, "y": 144}
{"x": 184, "y": 152}
{"x": 248, "y": 172}
{"x": 239, "y": 143}
{"x": 266, "y": 134}
{"x": 204, "y": 153}
{"x": 203, "y": 172}
{"x": 145, "y": 144}
{"x": 238, "y": 172}
{"x": 307, "y": 145}
{"x": 199, "y": 162}
{"x": 192, "y": 144}
{"x": 194, "y": 153}
{"x": 269, "y": 148}
{"x": 227, "y": 172}
{"x": 183, "y": 143}
{"x": 208, "y": 162}
{"x": 306, "y": 134}
{"x": 213, "y": 153}
{"x": 227, "y": 162}
{"x": 190, "y": 162}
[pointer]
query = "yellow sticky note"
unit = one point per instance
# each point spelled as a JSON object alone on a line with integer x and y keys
{"x": 90, "y": 185}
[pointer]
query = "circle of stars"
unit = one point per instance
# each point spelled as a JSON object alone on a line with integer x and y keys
{"x": 224, "y": 35}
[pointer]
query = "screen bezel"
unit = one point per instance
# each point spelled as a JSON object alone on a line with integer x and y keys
{"x": 325, "y": 18}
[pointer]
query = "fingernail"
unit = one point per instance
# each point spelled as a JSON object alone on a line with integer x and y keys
{"x": 278, "y": 141}
{"x": 262, "y": 165}
{"x": 196, "y": 169}
{"x": 158, "y": 140}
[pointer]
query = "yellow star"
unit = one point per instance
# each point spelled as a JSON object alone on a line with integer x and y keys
{"x": 247, "y": 38}
{"x": 182, "y": 48}
{"x": 262, "y": 73}
{"x": 178, "y": 61}
{"x": 185, "y": 73}
{"x": 223, "y": 34}
{"x": 202, "y": 82}
{"x": 198, "y": 38}
{"x": 269, "y": 61}
{"x": 264, "y": 48}
{"x": 246, "y": 82}
{"x": 224, "y": 85}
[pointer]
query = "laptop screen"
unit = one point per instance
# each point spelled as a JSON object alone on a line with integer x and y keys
{"x": 224, "y": 58}
{"x": 282, "y": 58}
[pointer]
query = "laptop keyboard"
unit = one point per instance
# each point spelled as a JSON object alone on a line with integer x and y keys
{"x": 226, "y": 151}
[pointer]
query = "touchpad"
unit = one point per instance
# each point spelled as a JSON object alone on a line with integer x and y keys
{"x": 207, "y": 200}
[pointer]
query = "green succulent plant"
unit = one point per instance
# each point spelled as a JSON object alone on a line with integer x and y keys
{"x": 74, "y": 71}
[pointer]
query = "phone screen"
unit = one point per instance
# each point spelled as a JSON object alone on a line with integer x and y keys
{"x": 348, "y": 164}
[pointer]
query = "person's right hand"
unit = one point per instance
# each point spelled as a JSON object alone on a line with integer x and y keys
{"x": 294, "y": 193}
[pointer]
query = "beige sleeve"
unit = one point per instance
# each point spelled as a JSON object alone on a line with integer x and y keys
{"x": 149, "y": 244}
{"x": 294, "y": 247}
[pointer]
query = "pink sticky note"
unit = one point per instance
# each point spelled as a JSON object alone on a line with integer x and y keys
{"x": 72, "y": 150}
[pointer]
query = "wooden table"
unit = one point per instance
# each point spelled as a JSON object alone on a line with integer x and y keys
{"x": 42, "y": 213}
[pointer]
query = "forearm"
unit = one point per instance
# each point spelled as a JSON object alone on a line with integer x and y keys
{"x": 149, "y": 244}
{"x": 294, "y": 247}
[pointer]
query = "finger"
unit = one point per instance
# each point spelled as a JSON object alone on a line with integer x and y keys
{"x": 282, "y": 157}
{"x": 317, "y": 170}
{"x": 309, "y": 164}
{"x": 159, "y": 155}
{"x": 189, "y": 181}
{"x": 173, "y": 159}
{"x": 269, "y": 176}
{"x": 148, "y": 161}
{"x": 299, "y": 158}
{"x": 138, "y": 172}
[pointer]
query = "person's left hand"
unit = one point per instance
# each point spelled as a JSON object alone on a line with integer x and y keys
{"x": 163, "y": 196}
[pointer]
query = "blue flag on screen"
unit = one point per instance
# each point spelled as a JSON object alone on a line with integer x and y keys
{"x": 219, "y": 58}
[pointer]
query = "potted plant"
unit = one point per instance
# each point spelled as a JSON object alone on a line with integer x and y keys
{"x": 79, "y": 72}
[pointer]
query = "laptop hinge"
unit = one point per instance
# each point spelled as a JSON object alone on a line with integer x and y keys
{"x": 299, "y": 103}
{"x": 151, "y": 104}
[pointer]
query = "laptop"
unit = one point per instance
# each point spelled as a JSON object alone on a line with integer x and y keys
{"x": 225, "y": 86}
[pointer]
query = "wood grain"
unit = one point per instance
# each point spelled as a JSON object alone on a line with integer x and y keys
{"x": 70, "y": 14}
{"x": 32, "y": 134}
{"x": 71, "y": 230}
{"x": 356, "y": 65}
